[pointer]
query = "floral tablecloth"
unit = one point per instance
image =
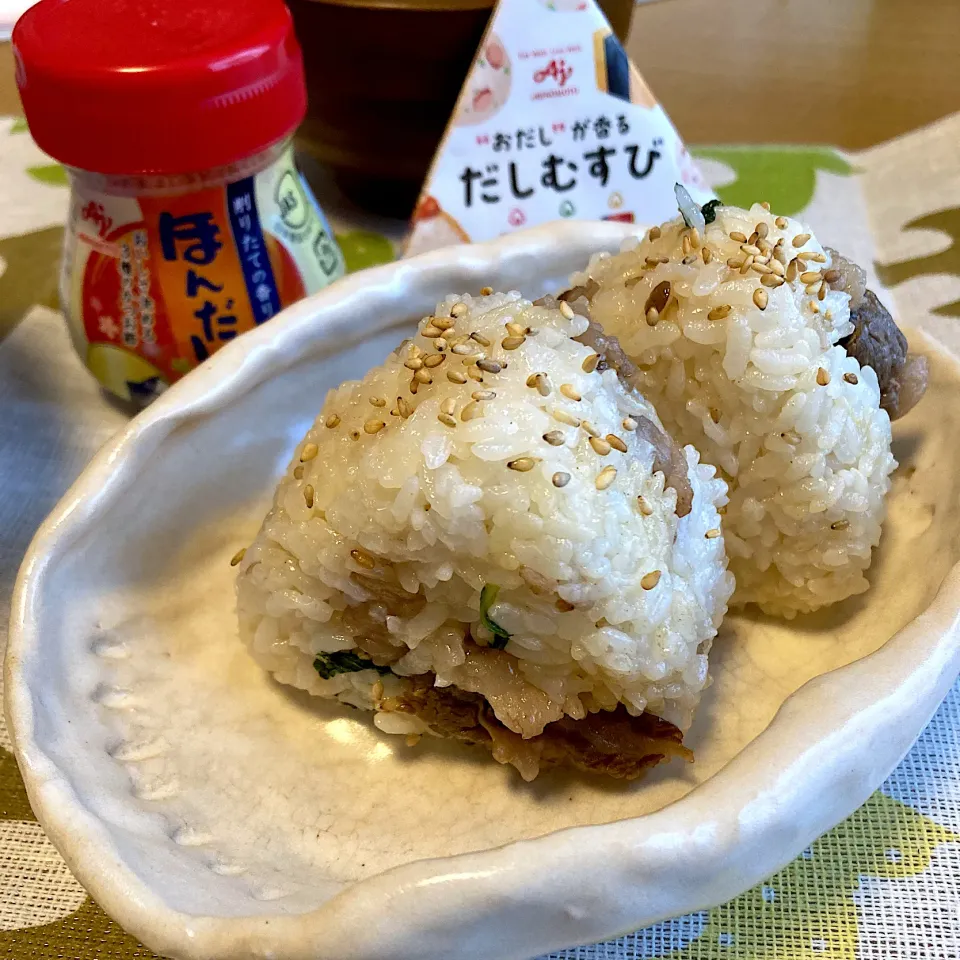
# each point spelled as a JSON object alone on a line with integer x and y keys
{"x": 885, "y": 883}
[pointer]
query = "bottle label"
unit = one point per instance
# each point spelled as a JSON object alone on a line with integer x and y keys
{"x": 153, "y": 284}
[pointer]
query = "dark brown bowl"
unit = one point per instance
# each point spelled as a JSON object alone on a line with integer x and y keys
{"x": 382, "y": 81}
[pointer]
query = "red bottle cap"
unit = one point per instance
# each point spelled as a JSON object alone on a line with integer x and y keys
{"x": 158, "y": 86}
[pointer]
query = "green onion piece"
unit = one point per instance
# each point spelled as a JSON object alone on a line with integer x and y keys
{"x": 328, "y": 665}
{"x": 488, "y": 597}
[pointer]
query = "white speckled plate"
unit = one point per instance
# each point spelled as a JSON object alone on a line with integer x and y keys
{"x": 217, "y": 815}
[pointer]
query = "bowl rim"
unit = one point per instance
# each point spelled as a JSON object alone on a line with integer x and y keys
{"x": 574, "y": 885}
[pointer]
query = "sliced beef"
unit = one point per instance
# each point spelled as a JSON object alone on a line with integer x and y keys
{"x": 878, "y": 342}
{"x": 608, "y": 742}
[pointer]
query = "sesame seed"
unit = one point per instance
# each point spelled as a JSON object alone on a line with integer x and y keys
{"x": 851, "y": 378}
{"x": 589, "y": 429}
{"x": 792, "y": 271}
{"x": 443, "y": 323}
{"x": 654, "y": 233}
{"x": 456, "y": 376}
{"x": 332, "y": 421}
{"x": 644, "y": 507}
{"x": 431, "y": 333}
{"x": 750, "y": 249}
{"x": 564, "y": 606}
{"x": 238, "y": 556}
{"x": 472, "y": 411}
{"x": 760, "y": 268}
{"x": 823, "y": 377}
{"x": 800, "y": 239}
{"x": 695, "y": 239}
{"x": 308, "y": 452}
{"x": 659, "y": 298}
{"x": 760, "y": 298}
{"x": 403, "y": 408}
{"x": 523, "y": 464}
{"x": 713, "y": 533}
{"x": 824, "y": 290}
{"x": 600, "y": 446}
{"x": 720, "y": 313}
{"x": 377, "y": 402}
{"x": 567, "y": 418}
{"x": 413, "y": 363}
{"x": 590, "y": 363}
{"x": 605, "y": 478}
{"x": 376, "y": 691}
{"x": 363, "y": 558}
{"x": 687, "y": 245}
{"x": 298, "y": 473}
{"x": 781, "y": 222}
{"x": 762, "y": 230}
{"x": 516, "y": 329}
{"x": 735, "y": 263}
{"x": 448, "y": 405}
{"x": 706, "y": 254}
{"x": 810, "y": 276}
{"x": 441, "y": 345}
{"x": 569, "y": 391}
{"x": 651, "y": 262}
{"x": 474, "y": 374}
{"x": 689, "y": 259}
{"x": 354, "y": 434}
{"x": 771, "y": 280}
{"x": 778, "y": 267}
{"x": 831, "y": 276}
{"x": 373, "y": 426}
{"x": 840, "y": 525}
{"x": 629, "y": 424}
{"x": 434, "y": 360}
{"x": 480, "y": 338}
{"x": 462, "y": 349}
{"x": 423, "y": 376}
{"x": 565, "y": 310}
{"x": 489, "y": 366}
{"x": 458, "y": 309}
{"x": 484, "y": 395}
{"x": 486, "y": 291}
{"x": 780, "y": 255}
{"x": 738, "y": 236}
{"x": 543, "y": 385}
{"x": 560, "y": 479}
{"x": 653, "y": 317}
{"x": 308, "y": 495}
{"x": 511, "y": 343}
{"x": 650, "y": 580}
{"x": 813, "y": 288}
{"x": 616, "y": 442}
{"x": 747, "y": 264}
{"x": 447, "y": 419}
{"x": 555, "y": 438}
{"x": 715, "y": 414}
{"x": 754, "y": 237}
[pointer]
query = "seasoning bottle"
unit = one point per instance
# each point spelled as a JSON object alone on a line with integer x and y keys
{"x": 189, "y": 222}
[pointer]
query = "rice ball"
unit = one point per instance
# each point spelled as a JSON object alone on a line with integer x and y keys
{"x": 490, "y": 537}
{"x": 738, "y": 333}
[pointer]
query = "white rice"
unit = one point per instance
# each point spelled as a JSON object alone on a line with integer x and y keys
{"x": 808, "y": 464}
{"x": 436, "y": 514}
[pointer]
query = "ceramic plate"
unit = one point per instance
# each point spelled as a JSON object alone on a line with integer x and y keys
{"x": 218, "y": 815}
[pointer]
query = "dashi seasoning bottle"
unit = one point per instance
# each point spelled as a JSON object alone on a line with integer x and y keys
{"x": 189, "y": 223}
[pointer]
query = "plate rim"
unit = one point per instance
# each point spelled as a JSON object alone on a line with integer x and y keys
{"x": 527, "y": 897}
